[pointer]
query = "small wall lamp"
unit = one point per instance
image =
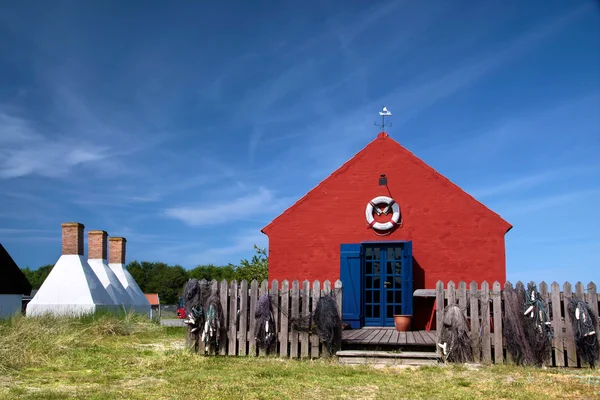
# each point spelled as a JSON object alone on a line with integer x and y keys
{"x": 382, "y": 180}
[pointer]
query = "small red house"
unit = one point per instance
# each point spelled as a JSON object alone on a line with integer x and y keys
{"x": 386, "y": 224}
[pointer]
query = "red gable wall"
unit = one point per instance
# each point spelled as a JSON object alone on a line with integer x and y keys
{"x": 454, "y": 236}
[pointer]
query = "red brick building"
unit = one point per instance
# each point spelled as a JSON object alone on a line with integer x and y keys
{"x": 423, "y": 228}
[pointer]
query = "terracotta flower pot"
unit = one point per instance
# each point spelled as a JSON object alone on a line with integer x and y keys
{"x": 402, "y": 322}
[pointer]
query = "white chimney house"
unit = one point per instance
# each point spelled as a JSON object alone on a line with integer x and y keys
{"x": 72, "y": 288}
{"x": 117, "y": 248}
{"x": 97, "y": 258}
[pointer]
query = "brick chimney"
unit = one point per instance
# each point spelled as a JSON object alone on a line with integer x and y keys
{"x": 117, "y": 247}
{"x": 72, "y": 238}
{"x": 97, "y": 245}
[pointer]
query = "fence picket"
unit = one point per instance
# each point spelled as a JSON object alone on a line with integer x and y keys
{"x": 439, "y": 312}
{"x": 474, "y": 305}
{"x": 285, "y": 309}
{"x": 593, "y": 301}
{"x": 264, "y": 289}
{"x": 233, "y": 313}
{"x": 462, "y": 296}
{"x": 557, "y": 325}
{"x": 305, "y": 301}
{"x": 243, "y": 319}
{"x": 252, "y": 319}
{"x": 569, "y": 336}
{"x": 224, "y": 295}
{"x": 338, "y": 299}
{"x": 497, "y": 308}
{"x": 544, "y": 294}
{"x": 314, "y": 338}
{"x": 451, "y": 293}
{"x": 294, "y": 315}
{"x": 325, "y": 291}
{"x": 485, "y": 322}
{"x": 275, "y": 302}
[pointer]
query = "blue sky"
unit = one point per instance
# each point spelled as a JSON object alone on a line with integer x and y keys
{"x": 188, "y": 127}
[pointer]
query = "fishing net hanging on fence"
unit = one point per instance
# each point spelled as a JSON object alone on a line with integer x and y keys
{"x": 264, "y": 331}
{"x": 455, "y": 341}
{"x": 584, "y": 322}
{"x": 517, "y": 343}
{"x": 195, "y": 295}
{"x": 536, "y": 323}
{"x": 212, "y": 324}
{"x": 325, "y": 320}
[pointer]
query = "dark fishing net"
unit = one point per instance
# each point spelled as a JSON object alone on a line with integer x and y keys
{"x": 195, "y": 296}
{"x": 455, "y": 341}
{"x": 517, "y": 343}
{"x": 264, "y": 331}
{"x": 212, "y": 323}
{"x": 325, "y": 321}
{"x": 536, "y": 324}
{"x": 584, "y": 321}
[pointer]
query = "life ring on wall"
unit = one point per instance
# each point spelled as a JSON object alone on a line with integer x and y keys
{"x": 391, "y": 205}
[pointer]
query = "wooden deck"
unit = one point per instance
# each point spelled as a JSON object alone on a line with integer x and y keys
{"x": 388, "y": 337}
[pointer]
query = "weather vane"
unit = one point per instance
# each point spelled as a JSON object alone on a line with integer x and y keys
{"x": 384, "y": 113}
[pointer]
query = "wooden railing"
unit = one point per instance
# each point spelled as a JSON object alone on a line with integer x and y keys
{"x": 239, "y": 300}
{"x": 483, "y": 306}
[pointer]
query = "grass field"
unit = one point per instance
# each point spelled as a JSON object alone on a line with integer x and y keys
{"x": 103, "y": 357}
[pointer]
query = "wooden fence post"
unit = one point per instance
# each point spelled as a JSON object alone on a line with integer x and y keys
{"x": 462, "y": 297}
{"x": 485, "y": 321}
{"x": 284, "y": 317}
{"x": 593, "y": 301}
{"x": 251, "y": 319}
{"x": 497, "y": 304}
{"x": 294, "y": 315}
{"x": 475, "y": 336}
{"x": 326, "y": 291}
{"x": 224, "y": 295}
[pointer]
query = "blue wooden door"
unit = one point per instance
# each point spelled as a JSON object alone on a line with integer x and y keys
{"x": 387, "y": 283}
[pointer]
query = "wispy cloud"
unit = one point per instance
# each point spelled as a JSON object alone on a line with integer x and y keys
{"x": 25, "y": 151}
{"x": 522, "y": 183}
{"x": 214, "y": 212}
{"x": 534, "y": 205}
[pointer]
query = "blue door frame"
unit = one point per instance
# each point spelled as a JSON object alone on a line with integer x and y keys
{"x": 377, "y": 281}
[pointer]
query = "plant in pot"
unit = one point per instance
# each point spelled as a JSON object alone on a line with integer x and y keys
{"x": 402, "y": 322}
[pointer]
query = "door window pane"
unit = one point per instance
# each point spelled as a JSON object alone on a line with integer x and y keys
{"x": 369, "y": 296}
{"x": 376, "y": 269}
{"x": 390, "y": 312}
{"x": 376, "y": 282}
{"x": 377, "y": 255}
{"x": 368, "y": 312}
{"x": 398, "y": 268}
{"x": 398, "y": 296}
{"x": 390, "y": 296}
{"x": 398, "y": 254}
{"x": 398, "y": 284}
{"x": 389, "y": 269}
{"x": 369, "y": 268}
{"x": 376, "y": 313}
{"x": 376, "y": 297}
{"x": 369, "y": 254}
{"x": 369, "y": 282}
{"x": 398, "y": 310}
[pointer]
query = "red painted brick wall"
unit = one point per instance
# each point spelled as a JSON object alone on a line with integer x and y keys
{"x": 454, "y": 236}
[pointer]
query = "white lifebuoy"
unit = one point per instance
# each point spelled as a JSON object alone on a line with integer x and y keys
{"x": 390, "y": 204}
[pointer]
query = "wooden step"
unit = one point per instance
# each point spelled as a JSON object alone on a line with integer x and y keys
{"x": 387, "y": 357}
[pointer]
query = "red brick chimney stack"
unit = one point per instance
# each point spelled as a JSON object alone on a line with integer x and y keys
{"x": 97, "y": 245}
{"x": 72, "y": 238}
{"x": 117, "y": 247}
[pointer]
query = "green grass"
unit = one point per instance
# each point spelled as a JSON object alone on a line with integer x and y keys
{"x": 102, "y": 357}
